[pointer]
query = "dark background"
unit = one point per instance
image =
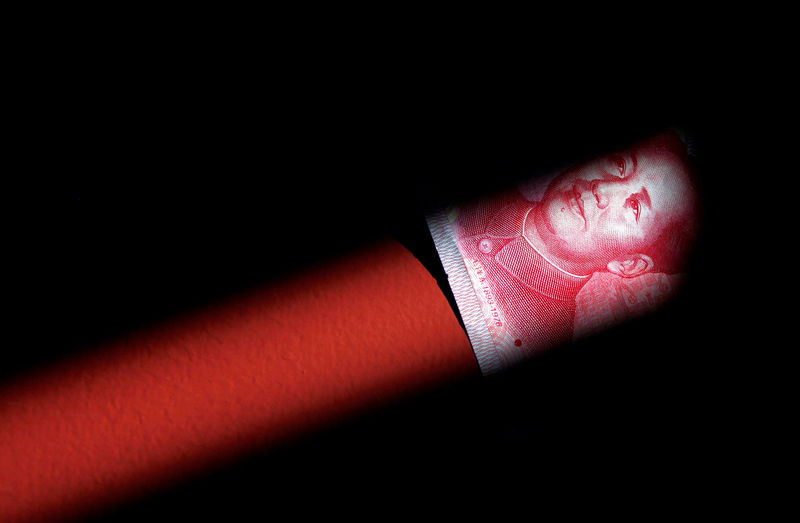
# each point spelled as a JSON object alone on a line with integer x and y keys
{"x": 153, "y": 188}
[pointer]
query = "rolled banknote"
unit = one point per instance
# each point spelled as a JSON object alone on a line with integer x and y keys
{"x": 568, "y": 254}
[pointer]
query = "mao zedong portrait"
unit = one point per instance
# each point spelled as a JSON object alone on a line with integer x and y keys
{"x": 626, "y": 213}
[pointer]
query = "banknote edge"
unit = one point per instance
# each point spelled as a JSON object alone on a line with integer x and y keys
{"x": 464, "y": 293}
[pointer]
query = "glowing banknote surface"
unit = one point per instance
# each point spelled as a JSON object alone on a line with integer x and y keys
{"x": 564, "y": 256}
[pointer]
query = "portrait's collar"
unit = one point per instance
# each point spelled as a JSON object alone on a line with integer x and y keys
{"x": 524, "y": 228}
{"x": 523, "y": 261}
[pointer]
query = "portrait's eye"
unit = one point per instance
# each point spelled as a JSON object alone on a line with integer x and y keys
{"x": 616, "y": 166}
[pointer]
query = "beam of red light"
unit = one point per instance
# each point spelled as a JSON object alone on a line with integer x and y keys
{"x": 160, "y": 405}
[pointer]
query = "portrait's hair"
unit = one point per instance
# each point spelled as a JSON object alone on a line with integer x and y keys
{"x": 671, "y": 249}
{"x": 670, "y": 252}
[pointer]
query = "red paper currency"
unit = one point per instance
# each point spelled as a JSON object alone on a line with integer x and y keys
{"x": 566, "y": 255}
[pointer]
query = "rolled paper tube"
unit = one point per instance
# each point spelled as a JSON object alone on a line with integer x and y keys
{"x": 159, "y": 405}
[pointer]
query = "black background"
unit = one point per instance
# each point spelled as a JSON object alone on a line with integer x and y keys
{"x": 154, "y": 187}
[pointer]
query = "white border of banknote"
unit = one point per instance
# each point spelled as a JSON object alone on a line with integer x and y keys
{"x": 464, "y": 293}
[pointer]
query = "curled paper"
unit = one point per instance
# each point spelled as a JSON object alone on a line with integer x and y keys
{"x": 568, "y": 254}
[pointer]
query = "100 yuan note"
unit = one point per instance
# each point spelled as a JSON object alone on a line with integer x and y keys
{"x": 567, "y": 255}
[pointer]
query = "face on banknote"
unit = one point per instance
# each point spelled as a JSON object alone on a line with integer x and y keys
{"x": 565, "y": 255}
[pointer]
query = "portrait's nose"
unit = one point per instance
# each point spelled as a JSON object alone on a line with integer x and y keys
{"x": 600, "y": 192}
